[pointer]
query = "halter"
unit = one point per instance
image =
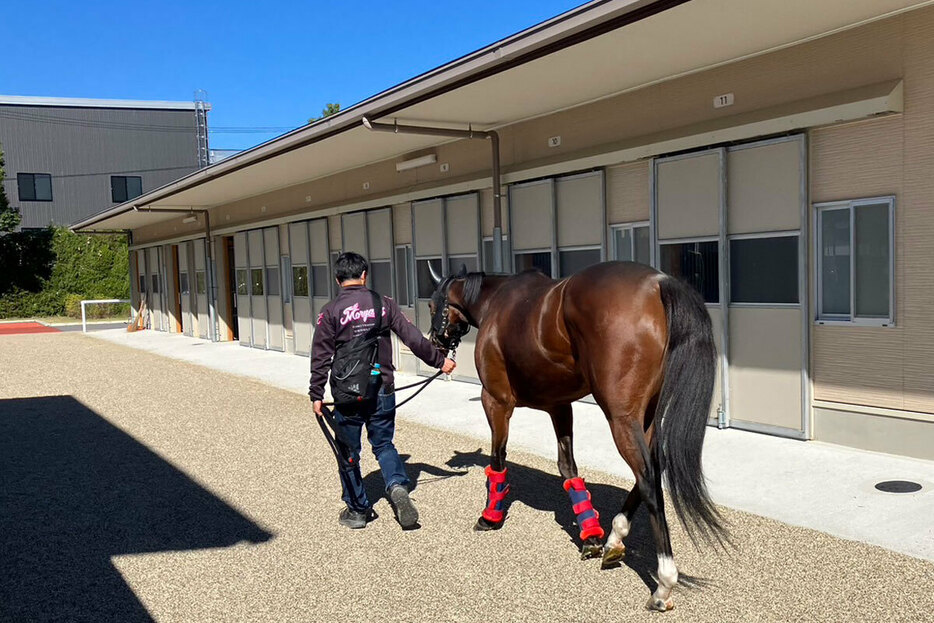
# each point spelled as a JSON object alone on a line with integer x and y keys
{"x": 448, "y": 336}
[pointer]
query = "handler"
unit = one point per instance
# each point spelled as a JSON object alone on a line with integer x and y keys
{"x": 349, "y": 315}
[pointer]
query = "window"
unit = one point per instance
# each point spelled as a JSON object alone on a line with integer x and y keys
{"x": 155, "y": 284}
{"x": 256, "y": 281}
{"x": 456, "y": 262}
{"x": 242, "y": 283}
{"x": 488, "y": 254}
{"x": 698, "y": 263}
{"x": 319, "y": 279}
{"x": 34, "y": 186}
{"x": 764, "y": 270}
{"x": 142, "y": 284}
{"x": 123, "y": 188}
{"x": 855, "y": 261}
{"x": 404, "y": 285}
{"x": 300, "y": 280}
{"x": 631, "y": 244}
{"x": 183, "y": 283}
{"x": 380, "y": 277}
{"x": 572, "y": 261}
{"x": 533, "y": 259}
{"x": 272, "y": 280}
{"x": 200, "y": 283}
{"x": 426, "y": 283}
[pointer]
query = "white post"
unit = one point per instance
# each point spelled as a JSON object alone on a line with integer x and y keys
{"x": 84, "y": 319}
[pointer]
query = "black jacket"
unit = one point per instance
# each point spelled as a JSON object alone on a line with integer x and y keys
{"x": 350, "y": 315}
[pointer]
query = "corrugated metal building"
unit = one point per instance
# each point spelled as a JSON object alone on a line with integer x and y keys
{"x": 65, "y": 158}
{"x": 779, "y": 155}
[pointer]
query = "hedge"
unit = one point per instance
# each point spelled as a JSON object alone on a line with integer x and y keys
{"x": 46, "y": 272}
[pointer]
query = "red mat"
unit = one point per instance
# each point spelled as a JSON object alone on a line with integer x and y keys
{"x": 20, "y": 328}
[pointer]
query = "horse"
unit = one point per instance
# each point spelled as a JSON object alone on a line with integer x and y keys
{"x": 641, "y": 343}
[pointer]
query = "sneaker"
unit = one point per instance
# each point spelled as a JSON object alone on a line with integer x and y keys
{"x": 354, "y": 519}
{"x": 406, "y": 513}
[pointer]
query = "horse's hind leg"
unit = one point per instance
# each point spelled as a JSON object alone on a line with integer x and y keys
{"x": 588, "y": 519}
{"x": 633, "y": 445}
{"x": 498, "y": 414}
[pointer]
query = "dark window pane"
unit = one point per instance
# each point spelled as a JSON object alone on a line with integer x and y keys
{"x": 134, "y": 187}
{"x": 643, "y": 245}
{"x": 256, "y": 281}
{"x": 695, "y": 262}
{"x": 27, "y": 186}
{"x": 540, "y": 260}
{"x": 155, "y": 284}
{"x": 200, "y": 283}
{"x": 183, "y": 283}
{"x": 43, "y": 186}
{"x": 871, "y": 294}
{"x": 426, "y": 285}
{"x": 835, "y": 261}
{"x": 380, "y": 278}
{"x": 622, "y": 244}
{"x": 300, "y": 280}
{"x": 272, "y": 281}
{"x": 242, "y": 282}
{"x": 118, "y": 188}
{"x": 403, "y": 269}
{"x": 142, "y": 284}
{"x": 764, "y": 270}
{"x": 319, "y": 277}
{"x": 455, "y": 264}
{"x": 570, "y": 262}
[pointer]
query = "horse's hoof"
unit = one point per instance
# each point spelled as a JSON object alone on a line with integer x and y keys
{"x": 612, "y": 555}
{"x": 591, "y": 548}
{"x": 660, "y": 605}
{"x": 483, "y": 525}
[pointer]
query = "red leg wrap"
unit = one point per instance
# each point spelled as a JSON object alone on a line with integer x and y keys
{"x": 587, "y": 516}
{"x": 497, "y": 489}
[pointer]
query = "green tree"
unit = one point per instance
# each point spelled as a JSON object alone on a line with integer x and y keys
{"x": 331, "y": 108}
{"x": 9, "y": 216}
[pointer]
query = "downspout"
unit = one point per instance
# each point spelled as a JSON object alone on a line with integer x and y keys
{"x": 470, "y": 134}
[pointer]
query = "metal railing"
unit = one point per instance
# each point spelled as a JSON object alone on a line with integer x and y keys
{"x": 84, "y": 318}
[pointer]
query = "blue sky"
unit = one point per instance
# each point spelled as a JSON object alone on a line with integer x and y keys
{"x": 263, "y": 64}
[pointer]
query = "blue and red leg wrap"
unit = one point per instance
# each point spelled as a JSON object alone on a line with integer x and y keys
{"x": 587, "y": 517}
{"x": 496, "y": 494}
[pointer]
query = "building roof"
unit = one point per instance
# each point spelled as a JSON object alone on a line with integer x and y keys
{"x": 599, "y": 50}
{"x": 72, "y": 102}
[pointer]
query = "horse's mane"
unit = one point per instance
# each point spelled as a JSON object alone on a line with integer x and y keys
{"x": 472, "y": 284}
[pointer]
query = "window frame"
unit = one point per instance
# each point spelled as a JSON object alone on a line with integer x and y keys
{"x": 589, "y": 247}
{"x": 35, "y": 195}
{"x": 791, "y": 233}
{"x": 549, "y": 250}
{"x": 851, "y": 319}
{"x": 126, "y": 190}
{"x": 408, "y": 269}
{"x": 632, "y": 226}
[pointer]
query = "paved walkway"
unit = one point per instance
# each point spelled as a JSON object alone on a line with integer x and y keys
{"x": 137, "y": 488}
{"x": 810, "y": 484}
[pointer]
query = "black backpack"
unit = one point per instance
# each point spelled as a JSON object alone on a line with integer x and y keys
{"x": 355, "y": 375}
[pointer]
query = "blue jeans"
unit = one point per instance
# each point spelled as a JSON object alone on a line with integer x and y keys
{"x": 380, "y": 429}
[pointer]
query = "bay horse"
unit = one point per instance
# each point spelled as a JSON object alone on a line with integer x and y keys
{"x": 641, "y": 342}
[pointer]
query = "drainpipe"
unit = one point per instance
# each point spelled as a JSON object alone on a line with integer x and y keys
{"x": 470, "y": 134}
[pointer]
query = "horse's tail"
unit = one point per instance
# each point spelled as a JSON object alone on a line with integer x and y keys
{"x": 683, "y": 409}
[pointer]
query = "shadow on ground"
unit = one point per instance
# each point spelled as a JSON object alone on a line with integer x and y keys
{"x": 545, "y": 492}
{"x": 75, "y": 491}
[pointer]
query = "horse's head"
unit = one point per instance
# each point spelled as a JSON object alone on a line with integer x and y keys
{"x": 449, "y": 317}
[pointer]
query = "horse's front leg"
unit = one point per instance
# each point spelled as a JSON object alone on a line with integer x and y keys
{"x": 588, "y": 520}
{"x": 498, "y": 412}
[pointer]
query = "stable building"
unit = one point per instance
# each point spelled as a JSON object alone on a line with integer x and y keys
{"x": 779, "y": 156}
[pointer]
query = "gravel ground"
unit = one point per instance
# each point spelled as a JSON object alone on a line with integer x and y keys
{"x": 137, "y": 488}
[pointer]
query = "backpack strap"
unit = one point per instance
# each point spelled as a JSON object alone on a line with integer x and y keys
{"x": 377, "y": 329}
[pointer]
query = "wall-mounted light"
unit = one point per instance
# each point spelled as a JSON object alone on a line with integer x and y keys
{"x": 190, "y": 219}
{"x": 405, "y": 165}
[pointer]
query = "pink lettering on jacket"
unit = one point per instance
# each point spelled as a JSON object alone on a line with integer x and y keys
{"x": 354, "y": 313}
